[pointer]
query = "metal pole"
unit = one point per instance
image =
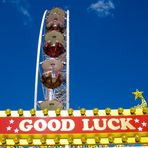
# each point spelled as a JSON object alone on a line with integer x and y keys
{"x": 67, "y": 63}
{"x": 38, "y": 60}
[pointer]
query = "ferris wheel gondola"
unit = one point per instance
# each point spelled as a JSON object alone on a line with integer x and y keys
{"x": 51, "y": 80}
{"x": 51, "y": 104}
{"x": 57, "y": 11}
{"x": 54, "y": 43}
{"x": 52, "y": 65}
{"x": 55, "y": 22}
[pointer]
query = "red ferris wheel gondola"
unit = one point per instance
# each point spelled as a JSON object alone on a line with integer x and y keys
{"x": 54, "y": 44}
{"x": 51, "y": 80}
{"x": 51, "y": 77}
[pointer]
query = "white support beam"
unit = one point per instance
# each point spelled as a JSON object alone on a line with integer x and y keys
{"x": 38, "y": 60}
{"x": 67, "y": 62}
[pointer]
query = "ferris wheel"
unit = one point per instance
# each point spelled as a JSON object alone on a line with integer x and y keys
{"x": 52, "y": 64}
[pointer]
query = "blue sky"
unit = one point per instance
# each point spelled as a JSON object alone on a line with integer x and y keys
{"x": 109, "y": 51}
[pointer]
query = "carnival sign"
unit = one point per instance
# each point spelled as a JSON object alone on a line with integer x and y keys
{"x": 73, "y": 125}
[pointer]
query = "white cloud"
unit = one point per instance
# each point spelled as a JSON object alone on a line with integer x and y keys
{"x": 103, "y": 8}
{"x": 22, "y": 7}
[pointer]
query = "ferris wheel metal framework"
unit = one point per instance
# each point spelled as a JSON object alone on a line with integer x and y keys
{"x": 51, "y": 93}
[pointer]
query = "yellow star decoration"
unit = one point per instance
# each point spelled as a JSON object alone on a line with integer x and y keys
{"x": 138, "y": 94}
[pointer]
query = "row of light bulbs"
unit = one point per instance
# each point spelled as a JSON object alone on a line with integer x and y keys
{"x": 82, "y": 111}
{"x": 70, "y": 140}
